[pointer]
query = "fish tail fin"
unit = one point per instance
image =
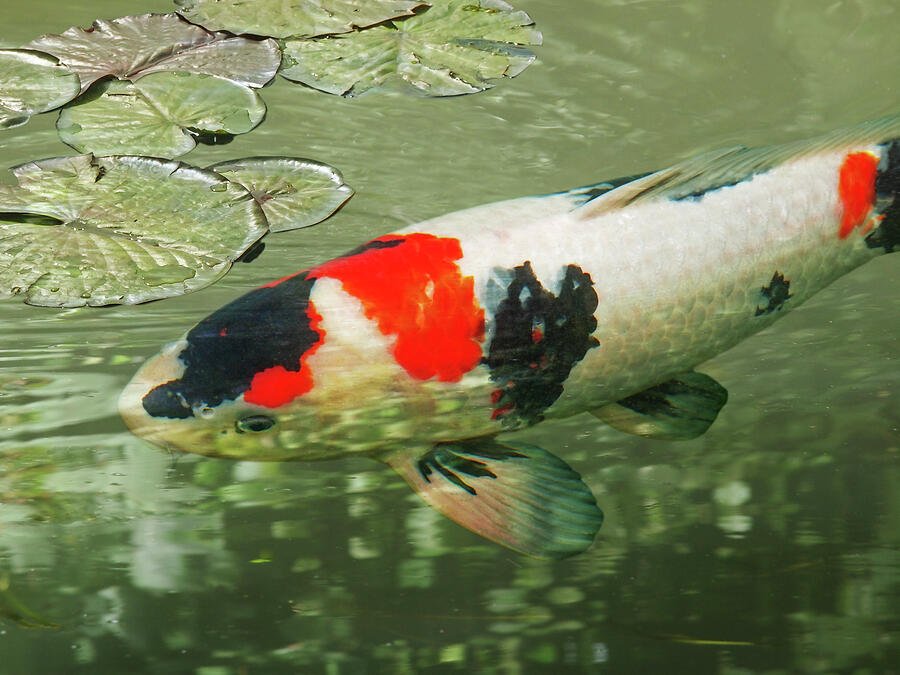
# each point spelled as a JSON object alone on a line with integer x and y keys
{"x": 886, "y": 234}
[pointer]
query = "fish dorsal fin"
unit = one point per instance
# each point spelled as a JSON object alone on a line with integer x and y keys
{"x": 579, "y": 196}
{"x": 523, "y": 497}
{"x": 678, "y": 409}
{"x": 709, "y": 171}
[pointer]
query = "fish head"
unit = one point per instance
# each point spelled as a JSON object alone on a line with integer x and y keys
{"x": 353, "y": 356}
{"x": 242, "y": 383}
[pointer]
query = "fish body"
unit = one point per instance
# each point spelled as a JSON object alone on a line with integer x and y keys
{"x": 422, "y": 345}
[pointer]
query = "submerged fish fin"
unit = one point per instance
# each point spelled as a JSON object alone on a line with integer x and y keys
{"x": 710, "y": 171}
{"x": 579, "y": 196}
{"x": 624, "y": 195}
{"x": 11, "y": 608}
{"x": 524, "y": 497}
{"x": 681, "y": 408}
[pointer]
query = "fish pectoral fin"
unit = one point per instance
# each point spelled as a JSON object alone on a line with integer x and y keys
{"x": 523, "y": 497}
{"x": 681, "y": 408}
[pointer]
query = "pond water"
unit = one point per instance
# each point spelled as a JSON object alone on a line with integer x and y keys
{"x": 771, "y": 544}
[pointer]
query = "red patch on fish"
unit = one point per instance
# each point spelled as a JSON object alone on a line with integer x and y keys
{"x": 856, "y": 190}
{"x": 499, "y": 412}
{"x": 275, "y": 386}
{"x": 414, "y": 290}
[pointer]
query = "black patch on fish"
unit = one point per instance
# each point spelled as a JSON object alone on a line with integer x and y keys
{"x": 776, "y": 294}
{"x": 538, "y": 338}
{"x": 166, "y": 401}
{"x": 450, "y": 464}
{"x": 698, "y": 194}
{"x": 267, "y": 327}
{"x": 887, "y": 189}
{"x": 582, "y": 195}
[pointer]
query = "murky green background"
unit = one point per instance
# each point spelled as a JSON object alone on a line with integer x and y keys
{"x": 771, "y": 545}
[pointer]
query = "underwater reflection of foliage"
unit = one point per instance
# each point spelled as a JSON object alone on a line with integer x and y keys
{"x": 12, "y": 609}
{"x": 309, "y": 548}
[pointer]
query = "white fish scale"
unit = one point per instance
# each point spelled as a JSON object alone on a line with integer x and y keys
{"x": 678, "y": 281}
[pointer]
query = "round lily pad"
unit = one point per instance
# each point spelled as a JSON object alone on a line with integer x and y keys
{"x": 287, "y": 18}
{"x": 32, "y": 82}
{"x": 293, "y": 192}
{"x": 456, "y": 47}
{"x": 159, "y": 115}
{"x": 88, "y": 230}
{"x": 133, "y": 46}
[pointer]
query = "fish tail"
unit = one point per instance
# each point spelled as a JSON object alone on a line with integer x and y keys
{"x": 887, "y": 201}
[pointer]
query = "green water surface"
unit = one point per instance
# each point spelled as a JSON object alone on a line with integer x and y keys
{"x": 770, "y": 545}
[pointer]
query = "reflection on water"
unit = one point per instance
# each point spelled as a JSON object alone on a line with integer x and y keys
{"x": 768, "y": 545}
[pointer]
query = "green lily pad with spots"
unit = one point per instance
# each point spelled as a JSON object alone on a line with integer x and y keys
{"x": 293, "y": 192}
{"x": 88, "y": 230}
{"x": 455, "y": 47}
{"x": 134, "y": 46}
{"x": 32, "y": 82}
{"x": 160, "y": 115}
{"x": 293, "y": 18}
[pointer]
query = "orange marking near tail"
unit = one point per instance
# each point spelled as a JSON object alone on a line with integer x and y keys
{"x": 502, "y": 411}
{"x": 856, "y": 189}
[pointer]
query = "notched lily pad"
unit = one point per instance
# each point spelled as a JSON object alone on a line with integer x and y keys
{"x": 293, "y": 18}
{"x": 161, "y": 115}
{"x": 88, "y": 230}
{"x": 134, "y": 46}
{"x": 293, "y": 192}
{"x": 455, "y": 47}
{"x": 32, "y": 82}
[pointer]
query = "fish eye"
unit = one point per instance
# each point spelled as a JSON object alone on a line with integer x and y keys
{"x": 254, "y": 423}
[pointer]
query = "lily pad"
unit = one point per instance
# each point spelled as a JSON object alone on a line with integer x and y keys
{"x": 160, "y": 115}
{"x": 456, "y": 47}
{"x": 133, "y": 46}
{"x": 294, "y": 18}
{"x": 293, "y": 193}
{"x": 32, "y": 82}
{"x": 88, "y": 230}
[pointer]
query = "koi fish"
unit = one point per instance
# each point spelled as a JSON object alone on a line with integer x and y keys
{"x": 419, "y": 347}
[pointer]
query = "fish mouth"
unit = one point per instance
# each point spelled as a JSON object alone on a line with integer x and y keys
{"x": 154, "y": 410}
{"x": 196, "y": 436}
{"x": 136, "y": 418}
{"x": 170, "y": 432}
